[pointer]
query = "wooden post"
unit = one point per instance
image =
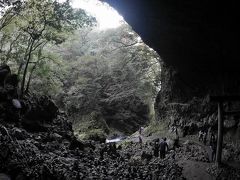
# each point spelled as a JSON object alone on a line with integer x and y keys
{"x": 220, "y": 133}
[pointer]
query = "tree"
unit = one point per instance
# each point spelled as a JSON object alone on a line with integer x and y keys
{"x": 38, "y": 24}
{"x": 109, "y": 71}
{"x": 8, "y": 10}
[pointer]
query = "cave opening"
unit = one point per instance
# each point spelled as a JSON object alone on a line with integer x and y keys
{"x": 115, "y": 76}
{"x": 85, "y": 95}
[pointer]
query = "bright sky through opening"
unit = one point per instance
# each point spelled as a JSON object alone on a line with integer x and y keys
{"x": 106, "y": 16}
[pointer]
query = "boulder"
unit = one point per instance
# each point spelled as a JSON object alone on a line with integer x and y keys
{"x": 4, "y": 152}
{"x": 55, "y": 136}
{"x": 12, "y": 80}
{"x": 41, "y": 108}
{"x": 19, "y": 134}
{"x": 76, "y": 144}
{"x": 40, "y": 113}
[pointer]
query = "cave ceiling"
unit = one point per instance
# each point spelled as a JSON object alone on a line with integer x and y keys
{"x": 199, "y": 38}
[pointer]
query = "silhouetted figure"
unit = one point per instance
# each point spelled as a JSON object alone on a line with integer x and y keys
{"x": 140, "y": 140}
{"x": 163, "y": 147}
{"x": 173, "y": 155}
{"x": 119, "y": 147}
{"x": 213, "y": 145}
{"x": 113, "y": 149}
{"x": 212, "y": 138}
{"x": 214, "y": 149}
{"x": 156, "y": 149}
{"x": 140, "y": 136}
{"x": 205, "y": 138}
{"x": 185, "y": 130}
{"x": 176, "y": 140}
{"x": 140, "y": 130}
{"x": 200, "y": 136}
{"x": 102, "y": 150}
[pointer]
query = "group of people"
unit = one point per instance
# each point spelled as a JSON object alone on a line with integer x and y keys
{"x": 160, "y": 146}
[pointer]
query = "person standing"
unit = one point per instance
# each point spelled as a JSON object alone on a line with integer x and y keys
{"x": 200, "y": 135}
{"x": 163, "y": 148}
{"x": 140, "y": 135}
{"x": 176, "y": 140}
{"x": 205, "y": 138}
{"x": 213, "y": 145}
{"x": 141, "y": 130}
{"x": 214, "y": 149}
{"x": 156, "y": 149}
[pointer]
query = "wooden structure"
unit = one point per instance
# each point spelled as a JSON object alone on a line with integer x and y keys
{"x": 220, "y": 100}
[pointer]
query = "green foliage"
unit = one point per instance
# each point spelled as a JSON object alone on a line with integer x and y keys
{"x": 92, "y": 134}
{"x": 91, "y": 126}
{"x": 110, "y": 72}
{"x": 36, "y": 24}
{"x": 108, "y": 66}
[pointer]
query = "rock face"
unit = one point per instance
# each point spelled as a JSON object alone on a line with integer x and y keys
{"x": 40, "y": 112}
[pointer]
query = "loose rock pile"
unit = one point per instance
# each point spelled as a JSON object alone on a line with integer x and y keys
{"x": 47, "y": 155}
{"x": 37, "y": 142}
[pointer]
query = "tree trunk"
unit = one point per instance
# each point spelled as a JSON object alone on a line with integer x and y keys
{"x": 30, "y": 77}
{"x": 26, "y": 68}
{"x": 20, "y": 69}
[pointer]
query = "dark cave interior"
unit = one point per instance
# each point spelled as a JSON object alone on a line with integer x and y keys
{"x": 199, "y": 39}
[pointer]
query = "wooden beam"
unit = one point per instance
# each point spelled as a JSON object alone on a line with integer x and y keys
{"x": 224, "y": 98}
{"x": 220, "y": 133}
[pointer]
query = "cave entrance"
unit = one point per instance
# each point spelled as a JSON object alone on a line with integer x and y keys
{"x": 113, "y": 76}
{"x": 89, "y": 60}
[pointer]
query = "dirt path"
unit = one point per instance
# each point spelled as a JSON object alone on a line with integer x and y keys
{"x": 193, "y": 170}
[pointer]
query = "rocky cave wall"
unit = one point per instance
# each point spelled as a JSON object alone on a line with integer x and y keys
{"x": 198, "y": 43}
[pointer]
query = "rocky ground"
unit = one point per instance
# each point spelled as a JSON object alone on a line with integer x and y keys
{"x": 54, "y": 155}
{"x": 37, "y": 143}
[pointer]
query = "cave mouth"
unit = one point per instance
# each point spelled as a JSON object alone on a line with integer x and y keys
{"x": 95, "y": 66}
{"x": 108, "y": 82}
{"x": 112, "y": 77}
